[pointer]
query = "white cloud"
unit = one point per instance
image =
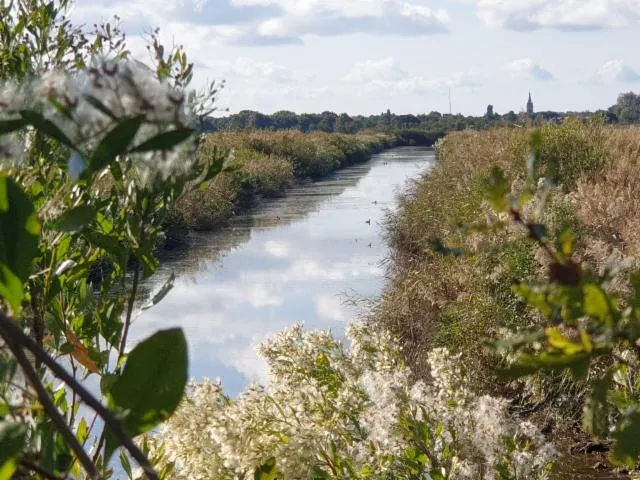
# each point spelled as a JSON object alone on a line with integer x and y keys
{"x": 329, "y": 308}
{"x": 525, "y": 67}
{"x": 248, "y": 68}
{"x": 276, "y": 249}
{"x": 558, "y": 14}
{"x": 369, "y": 70}
{"x": 336, "y": 17}
{"x": 421, "y": 85}
{"x": 617, "y": 71}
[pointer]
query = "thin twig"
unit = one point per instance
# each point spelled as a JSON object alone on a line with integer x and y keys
{"x": 39, "y": 470}
{"x": 132, "y": 300}
{"x": 47, "y": 403}
{"x": 9, "y": 329}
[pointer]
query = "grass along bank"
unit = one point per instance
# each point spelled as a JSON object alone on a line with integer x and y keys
{"x": 265, "y": 165}
{"x": 456, "y": 301}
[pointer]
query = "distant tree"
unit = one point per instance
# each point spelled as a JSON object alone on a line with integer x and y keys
{"x": 327, "y": 122}
{"x": 285, "y": 120}
{"x": 627, "y": 109}
{"x": 511, "y": 117}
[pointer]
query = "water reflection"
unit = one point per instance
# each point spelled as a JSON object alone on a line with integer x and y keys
{"x": 292, "y": 260}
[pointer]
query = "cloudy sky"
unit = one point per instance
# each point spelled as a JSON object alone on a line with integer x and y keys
{"x": 364, "y": 56}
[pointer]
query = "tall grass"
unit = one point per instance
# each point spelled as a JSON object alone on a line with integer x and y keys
{"x": 435, "y": 300}
{"x": 266, "y": 164}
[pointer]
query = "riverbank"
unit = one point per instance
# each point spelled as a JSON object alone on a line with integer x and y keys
{"x": 266, "y": 165}
{"x": 457, "y": 301}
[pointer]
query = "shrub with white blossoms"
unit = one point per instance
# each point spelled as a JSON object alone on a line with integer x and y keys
{"x": 85, "y": 106}
{"x": 334, "y": 412}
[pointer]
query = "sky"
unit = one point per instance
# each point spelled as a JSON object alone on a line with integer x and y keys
{"x": 367, "y": 56}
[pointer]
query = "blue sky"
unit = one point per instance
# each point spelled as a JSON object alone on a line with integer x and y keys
{"x": 364, "y": 56}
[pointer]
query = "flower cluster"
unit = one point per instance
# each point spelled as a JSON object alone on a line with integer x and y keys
{"x": 351, "y": 413}
{"x": 85, "y": 106}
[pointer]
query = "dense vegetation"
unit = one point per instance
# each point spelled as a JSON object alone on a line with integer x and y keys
{"x": 531, "y": 255}
{"x": 265, "y": 164}
{"x": 514, "y": 231}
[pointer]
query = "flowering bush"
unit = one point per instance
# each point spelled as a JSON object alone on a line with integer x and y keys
{"x": 334, "y": 412}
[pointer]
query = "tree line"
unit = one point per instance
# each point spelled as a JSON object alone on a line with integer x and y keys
{"x": 625, "y": 111}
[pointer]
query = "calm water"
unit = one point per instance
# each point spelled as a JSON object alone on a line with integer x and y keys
{"x": 295, "y": 259}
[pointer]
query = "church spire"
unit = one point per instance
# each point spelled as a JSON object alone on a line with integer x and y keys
{"x": 530, "y": 105}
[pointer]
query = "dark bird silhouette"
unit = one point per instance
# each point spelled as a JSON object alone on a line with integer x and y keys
{"x": 375, "y": 202}
{"x": 368, "y": 222}
{"x": 369, "y": 245}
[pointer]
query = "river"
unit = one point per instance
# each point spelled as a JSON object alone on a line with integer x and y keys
{"x": 300, "y": 258}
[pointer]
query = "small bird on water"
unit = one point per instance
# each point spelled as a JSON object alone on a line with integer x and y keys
{"x": 368, "y": 222}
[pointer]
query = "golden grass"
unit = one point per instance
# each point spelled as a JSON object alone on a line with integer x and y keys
{"x": 267, "y": 163}
{"x": 435, "y": 300}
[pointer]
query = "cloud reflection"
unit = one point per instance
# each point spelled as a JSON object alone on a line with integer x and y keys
{"x": 239, "y": 286}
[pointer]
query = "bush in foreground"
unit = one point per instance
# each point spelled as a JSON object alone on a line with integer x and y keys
{"x": 336, "y": 412}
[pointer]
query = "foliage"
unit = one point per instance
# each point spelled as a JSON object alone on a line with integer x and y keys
{"x": 94, "y": 154}
{"x": 333, "y": 412}
{"x": 265, "y": 164}
{"x": 545, "y": 270}
{"x": 589, "y": 331}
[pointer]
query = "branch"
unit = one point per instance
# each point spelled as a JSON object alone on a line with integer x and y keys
{"x": 47, "y": 403}
{"x": 26, "y": 465}
{"x": 11, "y": 332}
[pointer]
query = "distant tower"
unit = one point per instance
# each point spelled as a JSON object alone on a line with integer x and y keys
{"x": 489, "y": 113}
{"x": 530, "y": 105}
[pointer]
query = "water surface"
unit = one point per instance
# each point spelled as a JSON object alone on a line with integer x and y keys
{"x": 295, "y": 259}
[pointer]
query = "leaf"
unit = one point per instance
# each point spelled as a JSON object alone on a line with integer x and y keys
{"x": 567, "y": 242}
{"x": 13, "y": 437}
{"x": 497, "y": 189}
{"x": 318, "y": 473}
{"x": 559, "y": 341}
{"x": 74, "y": 220}
{"x": 268, "y": 470}
{"x": 164, "y": 141}
{"x": 595, "y": 302}
{"x": 166, "y": 288}
{"x": 82, "y": 432}
{"x": 126, "y": 465}
{"x": 9, "y": 126}
{"x": 45, "y": 126}
{"x": 595, "y": 418}
{"x": 151, "y": 385}
{"x": 80, "y": 353}
{"x": 626, "y": 448}
{"x": 19, "y": 232}
{"x": 98, "y": 105}
{"x": 65, "y": 266}
{"x": 114, "y": 143}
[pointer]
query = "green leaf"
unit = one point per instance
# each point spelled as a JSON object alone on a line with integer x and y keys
{"x": 166, "y": 288}
{"x": 318, "y": 473}
{"x": 13, "y": 437}
{"x": 595, "y": 302}
{"x": 567, "y": 242}
{"x": 45, "y": 126}
{"x": 74, "y": 220}
{"x": 9, "y": 126}
{"x": 126, "y": 465}
{"x": 19, "y": 232}
{"x": 97, "y": 104}
{"x": 152, "y": 383}
{"x": 164, "y": 141}
{"x": 115, "y": 143}
{"x": 82, "y": 432}
{"x": 595, "y": 419}
{"x": 268, "y": 470}
{"x": 498, "y": 189}
{"x": 626, "y": 448}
